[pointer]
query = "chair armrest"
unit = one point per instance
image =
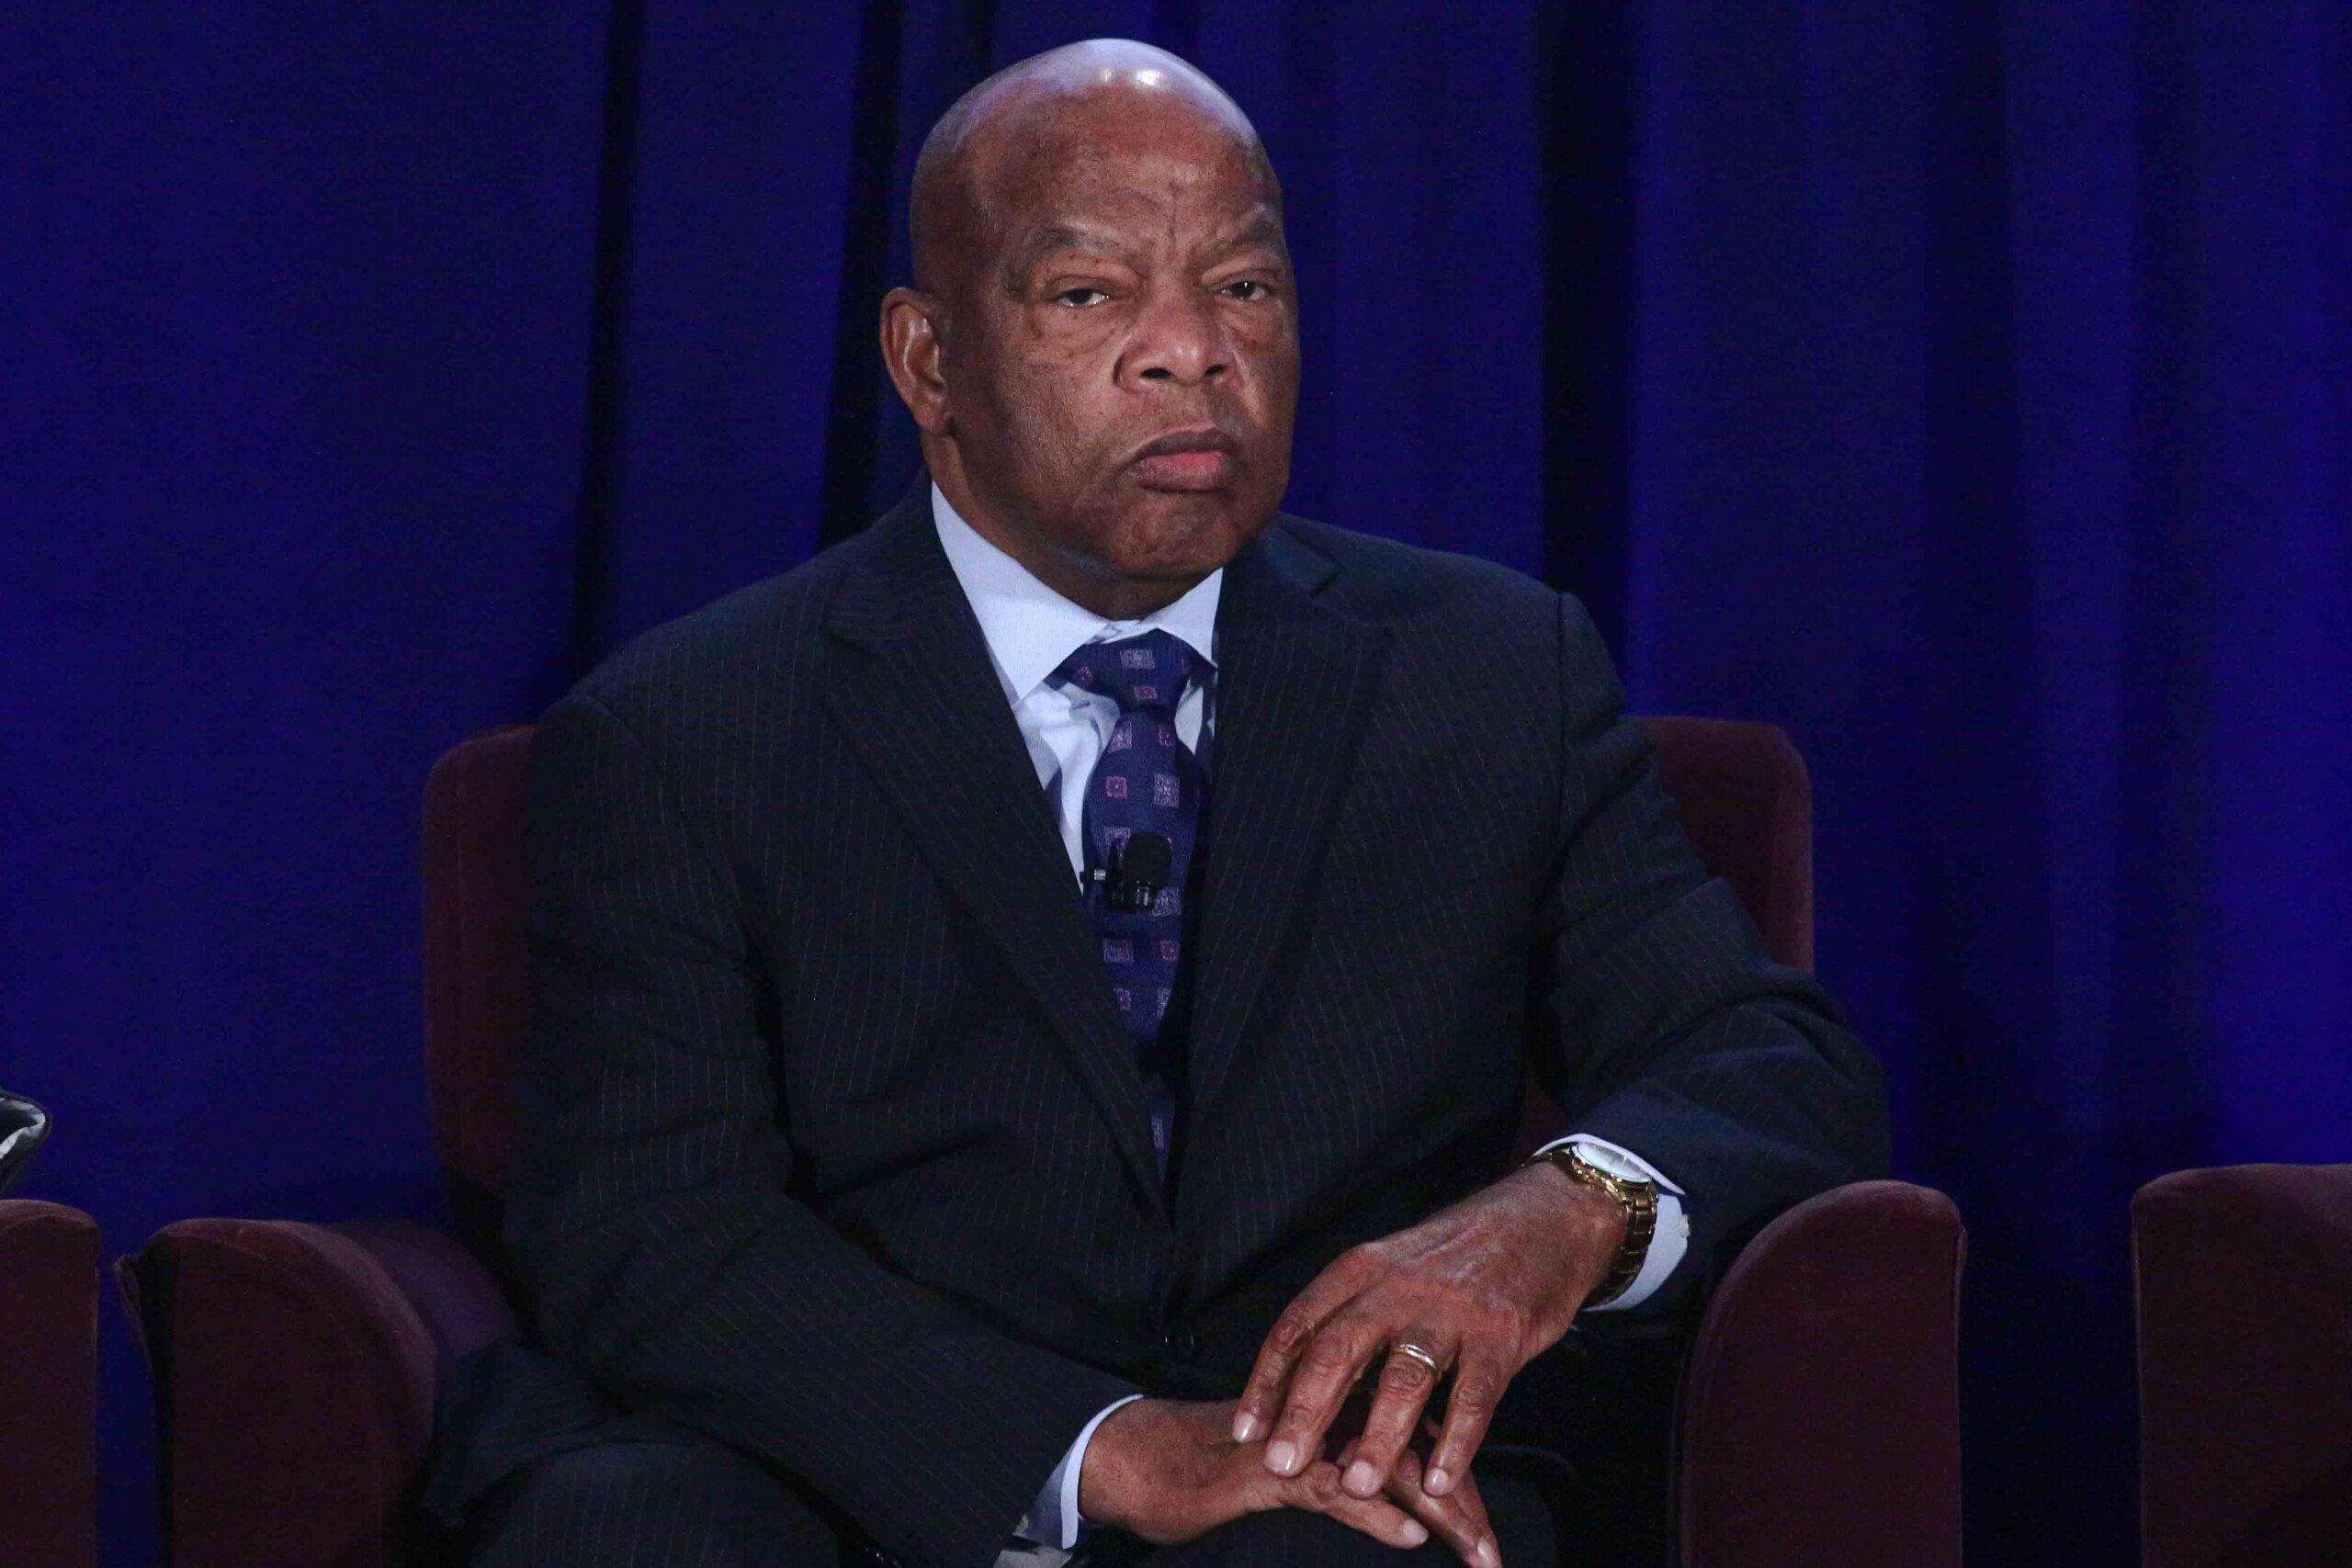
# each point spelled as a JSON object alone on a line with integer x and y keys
{"x": 295, "y": 1369}
{"x": 1820, "y": 1416}
{"x": 2243, "y": 1276}
{"x": 48, "y": 1362}
{"x": 451, "y": 1294}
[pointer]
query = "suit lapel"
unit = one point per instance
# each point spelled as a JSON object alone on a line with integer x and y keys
{"x": 922, "y": 710}
{"x": 1295, "y": 679}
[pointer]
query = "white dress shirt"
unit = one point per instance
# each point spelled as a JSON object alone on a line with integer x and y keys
{"x": 1030, "y": 629}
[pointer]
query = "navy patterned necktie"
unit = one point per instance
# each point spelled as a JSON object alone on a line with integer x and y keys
{"x": 1146, "y": 783}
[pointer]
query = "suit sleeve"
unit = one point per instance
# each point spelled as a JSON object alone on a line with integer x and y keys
{"x": 1668, "y": 1029}
{"x": 650, "y": 1219}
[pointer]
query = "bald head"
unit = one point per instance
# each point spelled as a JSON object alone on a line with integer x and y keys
{"x": 1046, "y": 106}
{"x": 1101, "y": 349}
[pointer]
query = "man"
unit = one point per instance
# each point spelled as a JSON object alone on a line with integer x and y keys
{"x": 1035, "y": 1002}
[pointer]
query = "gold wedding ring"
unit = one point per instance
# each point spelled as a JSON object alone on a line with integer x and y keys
{"x": 1419, "y": 1353}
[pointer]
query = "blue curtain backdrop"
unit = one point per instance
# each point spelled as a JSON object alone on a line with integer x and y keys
{"x": 1965, "y": 385}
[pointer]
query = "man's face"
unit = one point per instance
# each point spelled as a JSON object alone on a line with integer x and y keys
{"x": 1121, "y": 366}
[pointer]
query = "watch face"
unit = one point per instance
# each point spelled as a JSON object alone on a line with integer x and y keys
{"x": 1611, "y": 1162}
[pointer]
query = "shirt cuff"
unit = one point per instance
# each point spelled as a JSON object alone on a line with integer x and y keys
{"x": 1669, "y": 1242}
{"x": 1053, "y": 1519}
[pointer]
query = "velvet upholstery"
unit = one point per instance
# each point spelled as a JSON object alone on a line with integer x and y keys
{"x": 49, "y": 1385}
{"x": 1820, "y": 1416}
{"x": 296, "y": 1364}
{"x": 1748, "y": 804}
{"x": 2245, "y": 1286}
{"x": 477, "y": 978}
{"x": 295, "y": 1368}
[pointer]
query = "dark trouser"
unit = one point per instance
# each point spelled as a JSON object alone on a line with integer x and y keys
{"x": 644, "y": 1504}
{"x": 1594, "y": 1496}
{"x": 685, "y": 1503}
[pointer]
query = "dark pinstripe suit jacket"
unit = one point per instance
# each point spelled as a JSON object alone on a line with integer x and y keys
{"x": 832, "y": 1144}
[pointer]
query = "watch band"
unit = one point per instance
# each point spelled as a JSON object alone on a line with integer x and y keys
{"x": 1636, "y": 1196}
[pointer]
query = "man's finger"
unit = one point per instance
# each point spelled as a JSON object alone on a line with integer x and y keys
{"x": 1480, "y": 1379}
{"x": 1318, "y": 1490}
{"x": 1261, "y": 1397}
{"x": 1320, "y": 1378}
{"x": 1407, "y": 1382}
{"x": 1458, "y": 1518}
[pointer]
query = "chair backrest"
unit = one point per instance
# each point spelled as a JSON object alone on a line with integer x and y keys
{"x": 477, "y": 977}
{"x": 1742, "y": 789}
{"x": 2243, "y": 1279}
{"x": 1748, "y": 805}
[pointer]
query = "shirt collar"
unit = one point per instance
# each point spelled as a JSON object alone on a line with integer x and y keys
{"x": 1031, "y": 629}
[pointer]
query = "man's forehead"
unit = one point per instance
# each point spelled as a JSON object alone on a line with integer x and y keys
{"x": 1111, "y": 138}
{"x": 1071, "y": 179}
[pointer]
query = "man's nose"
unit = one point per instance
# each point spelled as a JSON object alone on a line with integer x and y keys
{"x": 1177, "y": 338}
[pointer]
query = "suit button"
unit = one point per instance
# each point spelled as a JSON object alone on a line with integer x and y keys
{"x": 1181, "y": 1343}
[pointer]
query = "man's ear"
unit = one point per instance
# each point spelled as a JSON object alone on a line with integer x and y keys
{"x": 910, "y": 348}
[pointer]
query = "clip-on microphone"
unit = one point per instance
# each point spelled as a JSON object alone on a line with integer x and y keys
{"x": 1138, "y": 870}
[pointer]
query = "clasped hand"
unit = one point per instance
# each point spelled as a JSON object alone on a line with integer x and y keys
{"x": 1484, "y": 1287}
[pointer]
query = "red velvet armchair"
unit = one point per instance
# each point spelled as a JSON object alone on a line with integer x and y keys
{"x": 296, "y": 1364}
{"x": 49, "y": 1387}
{"x": 2244, "y": 1277}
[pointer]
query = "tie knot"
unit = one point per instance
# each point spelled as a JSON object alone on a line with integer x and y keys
{"x": 1148, "y": 670}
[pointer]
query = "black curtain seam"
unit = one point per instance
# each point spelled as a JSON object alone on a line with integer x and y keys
{"x": 853, "y": 417}
{"x": 600, "y": 459}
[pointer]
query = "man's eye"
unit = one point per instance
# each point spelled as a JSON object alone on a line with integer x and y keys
{"x": 1247, "y": 289}
{"x": 1081, "y": 297}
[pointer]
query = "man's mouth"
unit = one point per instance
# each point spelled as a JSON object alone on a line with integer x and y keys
{"x": 1187, "y": 461}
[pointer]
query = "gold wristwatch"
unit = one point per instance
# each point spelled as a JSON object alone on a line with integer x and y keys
{"x": 1637, "y": 1195}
